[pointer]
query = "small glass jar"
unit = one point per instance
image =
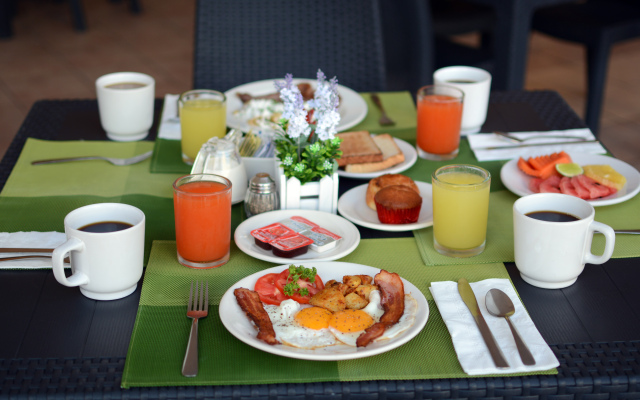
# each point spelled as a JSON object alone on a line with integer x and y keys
{"x": 262, "y": 195}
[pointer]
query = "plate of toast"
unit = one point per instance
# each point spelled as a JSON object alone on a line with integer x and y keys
{"x": 366, "y": 156}
{"x": 245, "y": 115}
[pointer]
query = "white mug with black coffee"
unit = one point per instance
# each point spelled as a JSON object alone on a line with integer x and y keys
{"x": 475, "y": 83}
{"x": 105, "y": 243}
{"x": 552, "y": 235}
{"x": 125, "y": 103}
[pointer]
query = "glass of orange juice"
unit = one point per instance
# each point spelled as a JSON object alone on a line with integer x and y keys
{"x": 202, "y": 209}
{"x": 439, "y": 119}
{"x": 203, "y": 115}
{"x": 460, "y": 209}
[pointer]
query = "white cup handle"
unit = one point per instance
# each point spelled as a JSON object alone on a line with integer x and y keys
{"x": 78, "y": 278}
{"x": 610, "y": 240}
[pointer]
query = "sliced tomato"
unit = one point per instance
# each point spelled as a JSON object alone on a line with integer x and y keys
{"x": 312, "y": 287}
{"x": 267, "y": 290}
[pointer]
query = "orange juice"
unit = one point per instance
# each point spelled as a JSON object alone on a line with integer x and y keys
{"x": 202, "y": 207}
{"x": 439, "y": 118}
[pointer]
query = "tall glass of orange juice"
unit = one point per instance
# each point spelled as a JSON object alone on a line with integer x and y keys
{"x": 439, "y": 119}
{"x": 203, "y": 115}
{"x": 202, "y": 209}
{"x": 460, "y": 209}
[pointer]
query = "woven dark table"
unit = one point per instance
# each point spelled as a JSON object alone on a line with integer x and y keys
{"x": 55, "y": 343}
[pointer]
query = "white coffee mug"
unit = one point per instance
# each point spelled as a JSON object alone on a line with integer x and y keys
{"x": 125, "y": 104}
{"x": 552, "y": 255}
{"x": 476, "y": 85}
{"x": 105, "y": 265}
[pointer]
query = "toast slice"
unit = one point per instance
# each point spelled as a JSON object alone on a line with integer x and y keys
{"x": 391, "y": 155}
{"x": 358, "y": 147}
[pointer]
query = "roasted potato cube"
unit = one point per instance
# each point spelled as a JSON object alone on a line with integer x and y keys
{"x": 330, "y": 298}
{"x": 352, "y": 281}
{"x": 364, "y": 290}
{"x": 330, "y": 282}
{"x": 366, "y": 279}
{"x": 355, "y": 302}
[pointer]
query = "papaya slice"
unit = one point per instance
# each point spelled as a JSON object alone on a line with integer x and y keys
{"x": 527, "y": 168}
{"x": 543, "y": 166}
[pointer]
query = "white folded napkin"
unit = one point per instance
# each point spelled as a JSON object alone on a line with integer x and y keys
{"x": 169, "y": 121}
{"x": 41, "y": 240}
{"x": 472, "y": 352}
{"x": 480, "y": 142}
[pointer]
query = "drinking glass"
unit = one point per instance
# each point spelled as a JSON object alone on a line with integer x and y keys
{"x": 439, "y": 118}
{"x": 202, "y": 208}
{"x": 203, "y": 115}
{"x": 460, "y": 209}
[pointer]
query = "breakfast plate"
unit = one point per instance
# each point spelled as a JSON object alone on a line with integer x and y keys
{"x": 410, "y": 158}
{"x": 334, "y": 223}
{"x": 237, "y": 323}
{"x": 518, "y": 182}
{"x": 352, "y": 106}
{"x": 352, "y": 206}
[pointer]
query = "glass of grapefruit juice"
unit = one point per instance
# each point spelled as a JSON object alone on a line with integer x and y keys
{"x": 439, "y": 119}
{"x": 460, "y": 209}
{"x": 202, "y": 209}
{"x": 203, "y": 115}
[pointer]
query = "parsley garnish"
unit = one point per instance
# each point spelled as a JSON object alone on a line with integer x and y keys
{"x": 296, "y": 273}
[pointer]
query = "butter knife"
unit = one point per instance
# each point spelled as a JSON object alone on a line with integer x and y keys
{"x": 517, "y": 146}
{"x": 470, "y": 300}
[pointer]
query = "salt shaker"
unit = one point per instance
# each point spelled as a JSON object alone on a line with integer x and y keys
{"x": 262, "y": 195}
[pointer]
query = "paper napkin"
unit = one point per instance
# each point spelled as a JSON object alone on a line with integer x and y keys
{"x": 48, "y": 240}
{"x": 169, "y": 121}
{"x": 470, "y": 348}
{"x": 509, "y": 150}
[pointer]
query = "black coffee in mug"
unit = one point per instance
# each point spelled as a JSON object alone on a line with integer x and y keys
{"x": 460, "y": 81}
{"x": 105, "y": 227}
{"x": 552, "y": 216}
{"x": 126, "y": 85}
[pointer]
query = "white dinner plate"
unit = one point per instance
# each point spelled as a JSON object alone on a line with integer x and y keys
{"x": 518, "y": 182}
{"x": 353, "y": 206}
{"x": 352, "y": 106}
{"x": 410, "y": 158}
{"x": 334, "y": 223}
{"x": 237, "y": 323}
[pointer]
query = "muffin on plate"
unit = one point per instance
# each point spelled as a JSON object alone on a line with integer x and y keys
{"x": 382, "y": 181}
{"x": 397, "y": 204}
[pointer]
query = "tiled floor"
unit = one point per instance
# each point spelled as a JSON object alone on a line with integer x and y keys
{"x": 47, "y": 59}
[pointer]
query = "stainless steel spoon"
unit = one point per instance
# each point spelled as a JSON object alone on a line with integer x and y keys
{"x": 500, "y": 305}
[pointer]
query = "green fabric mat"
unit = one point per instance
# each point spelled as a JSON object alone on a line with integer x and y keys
{"x": 167, "y": 153}
{"x": 499, "y": 247}
{"x": 161, "y": 323}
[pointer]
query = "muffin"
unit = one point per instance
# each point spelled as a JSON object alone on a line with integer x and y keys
{"x": 382, "y": 181}
{"x": 397, "y": 204}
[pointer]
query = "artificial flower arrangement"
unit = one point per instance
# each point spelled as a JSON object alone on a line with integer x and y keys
{"x": 305, "y": 142}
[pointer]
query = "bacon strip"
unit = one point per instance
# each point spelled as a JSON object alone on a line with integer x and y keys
{"x": 250, "y": 303}
{"x": 392, "y": 293}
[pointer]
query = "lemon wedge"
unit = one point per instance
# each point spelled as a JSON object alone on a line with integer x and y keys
{"x": 569, "y": 169}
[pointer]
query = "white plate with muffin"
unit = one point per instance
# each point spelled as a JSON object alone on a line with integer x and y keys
{"x": 366, "y": 156}
{"x": 390, "y": 202}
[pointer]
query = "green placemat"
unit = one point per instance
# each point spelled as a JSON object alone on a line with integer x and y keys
{"x": 160, "y": 333}
{"x": 499, "y": 247}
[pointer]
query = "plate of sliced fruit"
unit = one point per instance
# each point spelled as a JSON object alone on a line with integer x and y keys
{"x": 599, "y": 179}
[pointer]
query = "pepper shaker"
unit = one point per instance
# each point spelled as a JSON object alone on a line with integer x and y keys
{"x": 262, "y": 195}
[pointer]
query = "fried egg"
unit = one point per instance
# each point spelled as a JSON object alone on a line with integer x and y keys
{"x": 347, "y": 325}
{"x": 306, "y": 328}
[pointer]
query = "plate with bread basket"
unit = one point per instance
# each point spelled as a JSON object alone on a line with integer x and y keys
{"x": 397, "y": 153}
{"x": 352, "y": 205}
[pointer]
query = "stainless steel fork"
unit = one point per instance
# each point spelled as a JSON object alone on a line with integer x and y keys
{"x": 114, "y": 161}
{"x": 197, "y": 308}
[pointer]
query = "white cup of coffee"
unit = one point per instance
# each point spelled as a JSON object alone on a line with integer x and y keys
{"x": 125, "y": 103}
{"x": 476, "y": 85}
{"x": 105, "y": 243}
{"x": 552, "y": 238}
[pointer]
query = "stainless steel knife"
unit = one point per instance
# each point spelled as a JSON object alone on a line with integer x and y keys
{"x": 517, "y": 146}
{"x": 470, "y": 300}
